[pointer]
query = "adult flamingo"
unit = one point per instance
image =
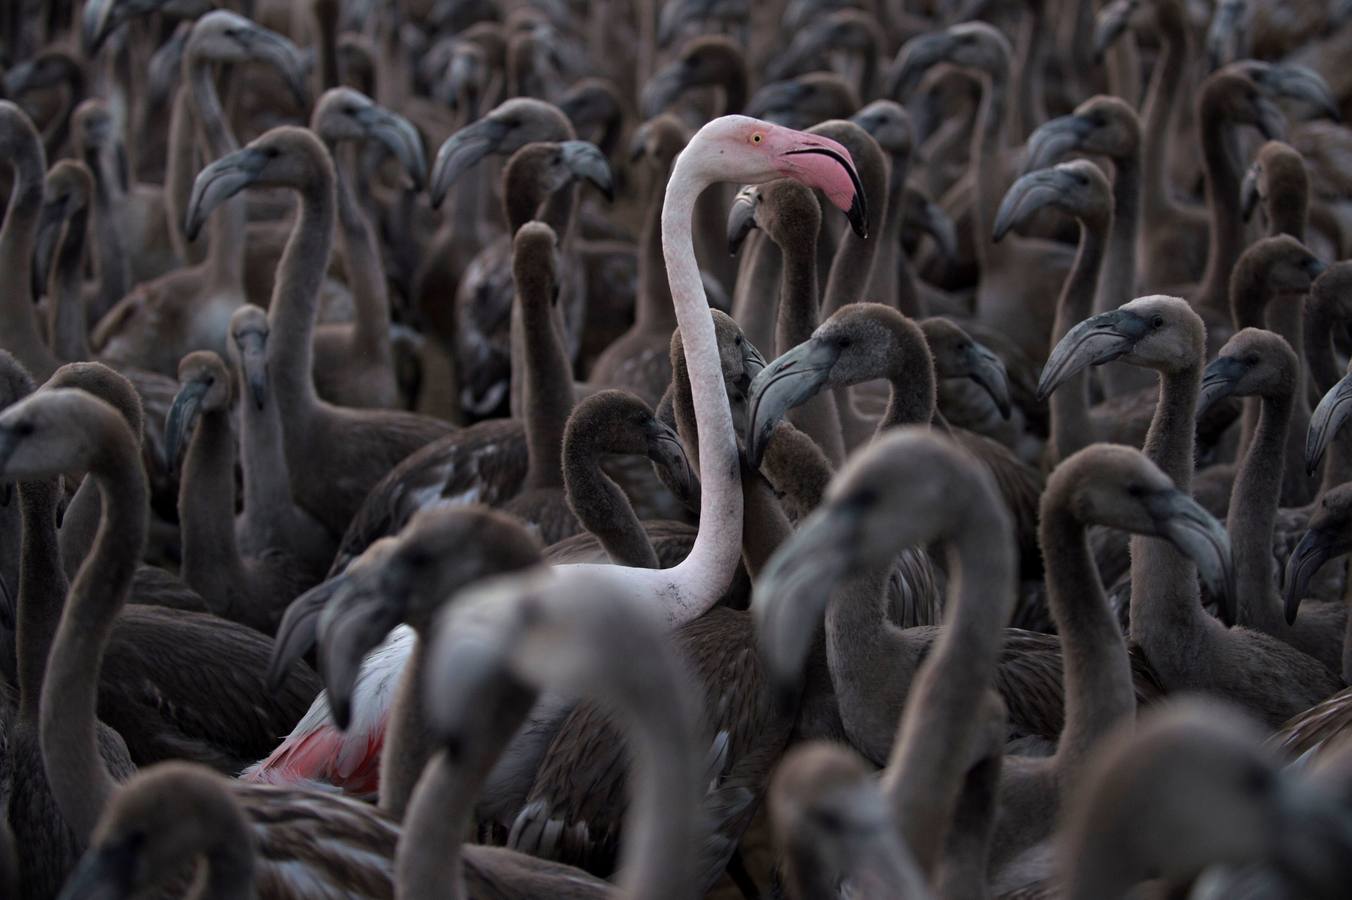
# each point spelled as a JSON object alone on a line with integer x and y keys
{"x": 735, "y": 149}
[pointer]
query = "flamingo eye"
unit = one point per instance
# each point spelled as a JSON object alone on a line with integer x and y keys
{"x": 757, "y": 137}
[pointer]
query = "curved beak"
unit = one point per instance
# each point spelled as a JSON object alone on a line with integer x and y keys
{"x": 1248, "y": 193}
{"x": 753, "y": 363}
{"x": 1199, "y": 536}
{"x": 666, "y": 450}
{"x": 253, "y": 358}
{"x": 1097, "y": 340}
{"x": 1225, "y": 35}
{"x": 397, "y": 135}
{"x": 585, "y": 160}
{"x": 165, "y": 66}
{"x": 1317, "y": 546}
{"x": 271, "y": 47}
{"x": 936, "y": 222}
{"x": 98, "y": 20}
{"x": 18, "y": 80}
{"x": 788, "y": 382}
{"x": 178, "y": 425}
{"x": 1298, "y": 83}
{"x": 361, "y": 614}
{"x": 297, "y": 631}
{"x": 1218, "y": 381}
{"x": 1112, "y": 22}
{"x": 815, "y": 165}
{"x": 1329, "y": 416}
{"x": 1025, "y": 197}
{"x": 774, "y": 100}
{"x": 988, "y": 371}
{"x": 793, "y": 591}
{"x": 461, "y": 151}
{"x": 1054, "y": 140}
{"x": 742, "y": 217}
{"x": 1270, "y": 121}
{"x": 665, "y": 87}
{"x": 103, "y": 873}
{"x": 218, "y": 182}
{"x": 916, "y": 57}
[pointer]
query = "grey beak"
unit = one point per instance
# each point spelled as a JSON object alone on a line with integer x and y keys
{"x": 666, "y": 450}
{"x": 585, "y": 160}
{"x": 664, "y": 88}
{"x": 1097, "y": 340}
{"x": 988, "y": 371}
{"x": 285, "y": 57}
{"x": 296, "y": 633}
{"x": 773, "y": 100}
{"x": 1332, "y": 411}
{"x": 1199, "y": 536}
{"x": 399, "y": 136}
{"x": 461, "y": 151}
{"x": 1248, "y": 193}
{"x": 182, "y": 418}
{"x": 742, "y": 217}
{"x": 253, "y": 357}
{"x": 935, "y": 222}
{"x": 1317, "y": 546}
{"x": 918, "y": 56}
{"x": 1025, "y": 197}
{"x": 1054, "y": 140}
{"x": 220, "y": 181}
{"x": 1294, "y": 82}
{"x": 788, "y": 382}
{"x": 97, "y": 21}
{"x": 1218, "y": 381}
{"x": 359, "y": 616}
{"x": 103, "y": 873}
{"x": 793, "y": 591}
{"x": 1112, "y": 22}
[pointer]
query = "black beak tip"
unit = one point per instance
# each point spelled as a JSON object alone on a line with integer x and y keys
{"x": 858, "y": 215}
{"x": 341, "y": 709}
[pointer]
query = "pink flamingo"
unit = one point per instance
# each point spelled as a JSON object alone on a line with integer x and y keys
{"x": 735, "y": 149}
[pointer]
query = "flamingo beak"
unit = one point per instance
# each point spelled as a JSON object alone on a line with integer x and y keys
{"x": 666, "y": 450}
{"x": 742, "y": 217}
{"x": 1053, "y": 140}
{"x": 1026, "y": 196}
{"x": 989, "y": 372}
{"x": 182, "y": 418}
{"x": 362, "y": 612}
{"x": 1097, "y": 340}
{"x": 1197, "y": 534}
{"x": 1317, "y": 546}
{"x": 822, "y": 167}
{"x": 1329, "y": 416}
{"x": 220, "y": 181}
{"x": 790, "y": 381}
{"x": 1221, "y": 378}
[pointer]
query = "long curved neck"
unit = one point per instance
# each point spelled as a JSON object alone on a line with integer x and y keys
{"x": 709, "y": 568}
{"x": 851, "y": 268}
{"x": 930, "y": 757}
{"x": 79, "y": 778}
{"x": 1286, "y": 317}
{"x": 295, "y": 300}
{"x": 226, "y": 228}
{"x": 655, "y": 312}
{"x": 1320, "y": 320}
{"x": 1222, "y": 198}
{"x": 753, "y": 297}
{"x": 1253, "y": 514}
{"x": 429, "y": 860}
{"x": 1030, "y": 110}
{"x": 110, "y": 196}
{"x": 1117, "y": 278}
{"x": 795, "y": 323}
{"x": 1166, "y": 609}
{"x": 365, "y": 276}
{"x": 914, "y": 387}
{"x": 18, "y": 323}
{"x": 603, "y": 509}
{"x": 262, "y": 457}
{"x": 1071, "y": 429}
{"x": 206, "y": 511}
{"x": 180, "y": 170}
{"x": 549, "y": 393}
{"x": 1098, "y": 685}
{"x": 408, "y": 744}
{"x": 986, "y": 144}
{"x": 892, "y": 281}
{"x": 1167, "y": 87}
{"x": 42, "y": 592}
{"x": 67, "y": 324}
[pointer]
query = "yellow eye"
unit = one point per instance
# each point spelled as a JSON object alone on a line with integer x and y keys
{"x": 756, "y": 138}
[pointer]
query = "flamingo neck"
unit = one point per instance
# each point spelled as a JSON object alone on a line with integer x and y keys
{"x": 1253, "y": 515}
{"x": 1163, "y": 97}
{"x": 226, "y": 228}
{"x": 206, "y": 509}
{"x": 929, "y": 760}
{"x": 365, "y": 276}
{"x": 42, "y": 591}
{"x": 79, "y": 778}
{"x": 67, "y": 322}
{"x": 705, "y": 574}
{"x": 1071, "y": 428}
{"x": 18, "y": 323}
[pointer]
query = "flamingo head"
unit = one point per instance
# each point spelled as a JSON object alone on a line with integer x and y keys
{"x": 750, "y": 151}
